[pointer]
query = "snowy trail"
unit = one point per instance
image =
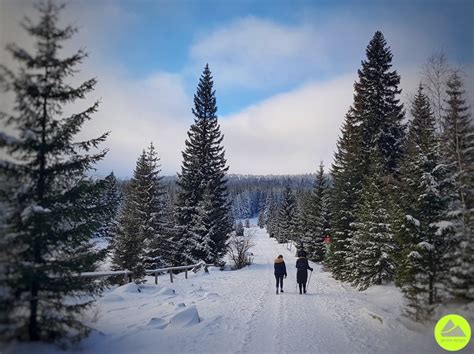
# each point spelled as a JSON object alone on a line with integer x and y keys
{"x": 330, "y": 318}
{"x": 285, "y": 323}
{"x": 239, "y": 312}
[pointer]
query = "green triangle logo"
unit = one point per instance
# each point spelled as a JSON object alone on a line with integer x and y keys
{"x": 452, "y": 330}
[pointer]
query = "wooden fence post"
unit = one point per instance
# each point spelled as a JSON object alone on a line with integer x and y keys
{"x": 171, "y": 275}
{"x": 186, "y": 274}
{"x": 125, "y": 278}
{"x": 156, "y": 278}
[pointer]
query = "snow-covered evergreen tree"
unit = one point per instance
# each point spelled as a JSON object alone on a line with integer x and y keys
{"x": 372, "y": 125}
{"x": 261, "y": 219}
{"x": 425, "y": 234}
{"x": 315, "y": 214}
{"x": 271, "y": 212}
{"x": 52, "y": 208}
{"x": 203, "y": 171}
{"x": 261, "y": 222}
{"x": 169, "y": 249}
{"x": 113, "y": 199}
{"x": 372, "y": 250}
{"x": 347, "y": 178}
{"x": 287, "y": 227}
{"x": 157, "y": 229}
{"x": 201, "y": 231}
{"x": 128, "y": 247}
{"x": 141, "y": 234}
{"x": 377, "y": 106}
{"x": 458, "y": 155}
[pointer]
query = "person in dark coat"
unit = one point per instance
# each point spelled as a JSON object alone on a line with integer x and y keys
{"x": 302, "y": 267}
{"x": 280, "y": 272}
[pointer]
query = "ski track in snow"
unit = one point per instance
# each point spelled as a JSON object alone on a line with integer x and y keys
{"x": 285, "y": 323}
{"x": 240, "y": 313}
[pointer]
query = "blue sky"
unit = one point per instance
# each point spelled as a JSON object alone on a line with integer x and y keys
{"x": 283, "y": 70}
{"x": 160, "y": 34}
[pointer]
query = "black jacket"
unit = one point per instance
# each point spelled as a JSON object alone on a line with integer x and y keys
{"x": 280, "y": 267}
{"x": 302, "y": 267}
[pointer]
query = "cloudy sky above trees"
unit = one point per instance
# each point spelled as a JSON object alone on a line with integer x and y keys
{"x": 283, "y": 70}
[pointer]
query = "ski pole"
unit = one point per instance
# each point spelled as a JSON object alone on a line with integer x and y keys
{"x": 307, "y": 284}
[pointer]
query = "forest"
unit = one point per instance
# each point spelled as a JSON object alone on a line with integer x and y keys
{"x": 396, "y": 204}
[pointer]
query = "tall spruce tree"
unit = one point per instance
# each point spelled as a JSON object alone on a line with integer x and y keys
{"x": 287, "y": 227}
{"x": 373, "y": 125}
{"x": 141, "y": 235}
{"x": 316, "y": 225}
{"x": 128, "y": 247}
{"x": 271, "y": 211}
{"x": 158, "y": 232}
{"x": 377, "y": 106}
{"x": 202, "y": 182}
{"x": 424, "y": 204}
{"x": 347, "y": 177}
{"x": 458, "y": 147}
{"x": 52, "y": 208}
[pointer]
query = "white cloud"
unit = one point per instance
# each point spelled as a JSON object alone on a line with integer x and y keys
{"x": 288, "y": 133}
{"x": 258, "y": 53}
{"x": 137, "y": 112}
{"x": 254, "y": 52}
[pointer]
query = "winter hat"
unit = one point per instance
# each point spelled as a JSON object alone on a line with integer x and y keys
{"x": 302, "y": 253}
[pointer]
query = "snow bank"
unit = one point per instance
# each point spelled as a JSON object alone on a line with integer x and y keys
{"x": 157, "y": 323}
{"x": 111, "y": 298}
{"x": 186, "y": 317}
{"x": 211, "y": 296}
{"x": 127, "y": 288}
{"x": 166, "y": 291}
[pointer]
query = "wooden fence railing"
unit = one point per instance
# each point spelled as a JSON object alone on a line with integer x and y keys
{"x": 156, "y": 272}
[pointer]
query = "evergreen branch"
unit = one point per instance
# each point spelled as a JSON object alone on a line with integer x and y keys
{"x": 6, "y": 78}
{"x": 71, "y": 125}
{"x": 7, "y": 140}
{"x": 78, "y": 164}
{"x": 93, "y": 143}
{"x": 69, "y": 94}
{"x": 21, "y": 54}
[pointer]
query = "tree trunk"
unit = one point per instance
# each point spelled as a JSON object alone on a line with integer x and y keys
{"x": 33, "y": 324}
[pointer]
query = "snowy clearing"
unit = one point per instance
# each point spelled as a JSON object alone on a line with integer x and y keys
{"x": 239, "y": 312}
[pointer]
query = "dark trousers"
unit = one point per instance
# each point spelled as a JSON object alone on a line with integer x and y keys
{"x": 302, "y": 287}
{"x": 279, "y": 279}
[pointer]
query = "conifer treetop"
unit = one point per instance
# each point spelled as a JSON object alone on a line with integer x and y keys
{"x": 205, "y": 106}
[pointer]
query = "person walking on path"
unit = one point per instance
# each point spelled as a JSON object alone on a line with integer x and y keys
{"x": 280, "y": 272}
{"x": 302, "y": 267}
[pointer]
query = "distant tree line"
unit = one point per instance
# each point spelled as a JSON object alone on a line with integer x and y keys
{"x": 248, "y": 194}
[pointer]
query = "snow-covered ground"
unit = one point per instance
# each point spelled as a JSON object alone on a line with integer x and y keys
{"x": 239, "y": 312}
